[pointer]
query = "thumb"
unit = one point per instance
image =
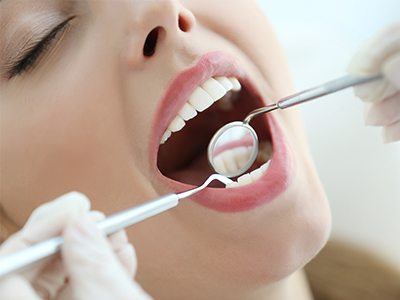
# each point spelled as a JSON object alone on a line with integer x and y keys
{"x": 93, "y": 269}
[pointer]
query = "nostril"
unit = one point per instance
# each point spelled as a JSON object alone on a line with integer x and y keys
{"x": 150, "y": 44}
{"x": 183, "y": 23}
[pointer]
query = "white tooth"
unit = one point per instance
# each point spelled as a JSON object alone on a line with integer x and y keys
{"x": 219, "y": 165}
{"x": 225, "y": 82}
{"x": 165, "y": 136}
{"x": 214, "y": 89}
{"x": 256, "y": 174}
{"x": 177, "y": 124}
{"x": 245, "y": 179}
{"x": 187, "y": 112}
{"x": 229, "y": 160}
{"x": 242, "y": 155}
{"x": 200, "y": 99}
{"x": 235, "y": 83}
{"x": 232, "y": 185}
{"x": 265, "y": 166}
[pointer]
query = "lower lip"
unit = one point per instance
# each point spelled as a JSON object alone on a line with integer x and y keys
{"x": 272, "y": 183}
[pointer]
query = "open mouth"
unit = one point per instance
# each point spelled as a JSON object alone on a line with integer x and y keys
{"x": 214, "y": 103}
{"x": 199, "y": 102}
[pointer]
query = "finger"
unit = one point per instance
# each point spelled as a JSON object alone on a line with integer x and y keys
{"x": 93, "y": 268}
{"x": 391, "y": 69}
{"x": 70, "y": 201}
{"x": 124, "y": 251}
{"x": 17, "y": 288}
{"x": 375, "y": 91}
{"x": 47, "y": 220}
{"x": 384, "y": 113}
{"x": 391, "y": 133}
{"x": 370, "y": 57}
{"x": 52, "y": 279}
{"x": 50, "y": 220}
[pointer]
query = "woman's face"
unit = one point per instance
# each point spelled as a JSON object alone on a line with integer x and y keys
{"x": 88, "y": 89}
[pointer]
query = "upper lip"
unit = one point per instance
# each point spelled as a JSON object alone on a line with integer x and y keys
{"x": 270, "y": 185}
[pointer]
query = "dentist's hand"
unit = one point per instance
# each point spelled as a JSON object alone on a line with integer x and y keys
{"x": 92, "y": 266}
{"x": 381, "y": 55}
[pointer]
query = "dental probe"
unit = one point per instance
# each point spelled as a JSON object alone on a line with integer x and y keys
{"x": 326, "y": 88}
{"x": 16, "y": 261}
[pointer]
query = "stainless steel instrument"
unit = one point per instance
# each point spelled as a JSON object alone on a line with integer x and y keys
{"x": 16, "y": 261}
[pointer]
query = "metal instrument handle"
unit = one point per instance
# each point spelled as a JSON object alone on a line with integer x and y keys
{"x": 325, "y": 89}
{"x": 313, "y": 93}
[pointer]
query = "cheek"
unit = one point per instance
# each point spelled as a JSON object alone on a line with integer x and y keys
{"x": 70, "y": 140}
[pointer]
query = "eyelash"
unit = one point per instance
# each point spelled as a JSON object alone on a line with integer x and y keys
{"x": 35, "y": 52}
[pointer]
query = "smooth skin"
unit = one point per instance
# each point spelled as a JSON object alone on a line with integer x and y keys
{"x": 78, "y": 120}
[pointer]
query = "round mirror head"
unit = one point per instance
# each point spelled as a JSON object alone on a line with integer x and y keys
{"x": 233, "y": 149}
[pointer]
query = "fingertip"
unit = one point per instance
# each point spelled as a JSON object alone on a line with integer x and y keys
{"x": 371, "y": 116}
{"x": 125, "y": 251}
{"x": 72, "y": 202}
{"x": 391, "y": 133}
{"x": 76, "y": 198}
{"x": 127, "y": 257}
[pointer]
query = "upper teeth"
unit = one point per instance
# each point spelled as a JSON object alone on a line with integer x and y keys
{"x": 202, "y": 98}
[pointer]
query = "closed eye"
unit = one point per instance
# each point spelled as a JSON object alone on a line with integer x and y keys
{"x": 31, "y": 54}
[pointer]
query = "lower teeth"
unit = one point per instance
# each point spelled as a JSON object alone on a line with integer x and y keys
{"x": 249, "y": 178}
{"x": 264, "y": 155}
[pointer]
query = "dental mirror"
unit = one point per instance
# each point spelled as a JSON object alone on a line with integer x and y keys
{"x": 233, "y": 149}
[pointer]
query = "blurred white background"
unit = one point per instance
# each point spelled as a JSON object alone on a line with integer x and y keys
{"x": 361, "y": 175}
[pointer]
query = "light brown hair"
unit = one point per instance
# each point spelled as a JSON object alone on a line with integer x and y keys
{"x": 342, "y": 271}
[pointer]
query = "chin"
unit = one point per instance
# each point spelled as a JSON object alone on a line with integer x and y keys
{"x": 297, "y": 227}
{"x": 299, "y": 233}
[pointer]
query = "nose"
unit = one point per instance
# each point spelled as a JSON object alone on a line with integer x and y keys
{"x": 155, "y": 22}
